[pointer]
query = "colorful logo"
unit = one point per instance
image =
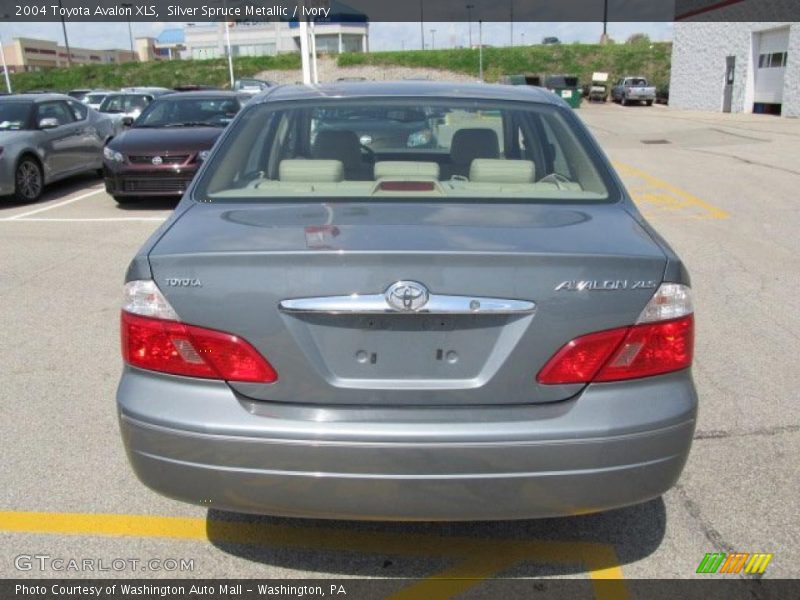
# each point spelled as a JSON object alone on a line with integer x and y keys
{"x": 720, "y": 562}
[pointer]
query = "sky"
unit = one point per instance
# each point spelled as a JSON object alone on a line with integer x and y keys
{"x": 383, "y": 36}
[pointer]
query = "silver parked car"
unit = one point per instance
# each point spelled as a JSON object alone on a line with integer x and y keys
{"x": 47, "y": 137}
{"x": 125, "y": 107}
{"x": 95, "y": 98}
{"x": 342, "y": 322}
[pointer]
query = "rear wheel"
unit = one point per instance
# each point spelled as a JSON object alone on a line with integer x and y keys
{"x": 28, "y": 180}
{"x": 649, "y": 102}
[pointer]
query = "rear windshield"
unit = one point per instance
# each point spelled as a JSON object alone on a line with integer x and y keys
{"x": 416, "y": 149}
{"x": 174, "y": 111}
{"x": 124, "y": 103}
{"x": 94, "y": 98}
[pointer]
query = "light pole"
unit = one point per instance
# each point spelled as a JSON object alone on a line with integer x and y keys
{"x": 5, "y": 66}
{"x": 421, "y": 24}
{"x": 230, "y": 52}
{"x": 66, "y": 39}
{"x": 128, "y": 5}
{"x": 469, "y": 22}
{"x": 306, "y": 66}
{"x": 433, "y": 39}
{"x": 480, "y": 50}
{"x": 511, "y": 21}
{"x": 313, "y": 44}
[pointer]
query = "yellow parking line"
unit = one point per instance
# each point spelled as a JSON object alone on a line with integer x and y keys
{"x": 666, "y": 196}
{"x": 480, "y": 558}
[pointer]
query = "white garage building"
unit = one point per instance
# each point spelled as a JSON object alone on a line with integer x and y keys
{"x": 736, "y": 67}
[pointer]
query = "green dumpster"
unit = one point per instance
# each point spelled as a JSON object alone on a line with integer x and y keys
{"x": 521, "y": 79}
{"x": 566, "y": 87}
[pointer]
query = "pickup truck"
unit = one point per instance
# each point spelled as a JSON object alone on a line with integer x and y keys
{"x": 633, "y": 89}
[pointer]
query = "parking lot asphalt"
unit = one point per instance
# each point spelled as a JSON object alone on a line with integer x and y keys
{"x": 722, "y": 189}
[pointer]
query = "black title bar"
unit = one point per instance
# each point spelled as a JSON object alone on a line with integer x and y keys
{"x": 360, "y": 11}
{"x": 707, "y": 588}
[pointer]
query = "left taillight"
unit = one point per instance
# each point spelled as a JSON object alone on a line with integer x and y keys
{"x": 661, "y": 341}
{"x": 153, "y": 338}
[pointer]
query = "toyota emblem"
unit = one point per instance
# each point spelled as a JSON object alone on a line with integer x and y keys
{"x": 157, "y": 160}
{"x": 407, "y": 296}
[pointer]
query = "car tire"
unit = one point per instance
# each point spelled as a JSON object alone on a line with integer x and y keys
{"x": 125, "y": 199}
{"x": 623, "y": 101}
{"x": 28, "y": 180}
{"x": 649, "y": 102}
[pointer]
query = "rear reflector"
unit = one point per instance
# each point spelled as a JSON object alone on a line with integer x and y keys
{"x": 173, "y": 347}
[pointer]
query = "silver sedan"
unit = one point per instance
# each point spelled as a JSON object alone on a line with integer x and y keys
{"x": 346, "y": 317}
{"x": 47, "y": 137}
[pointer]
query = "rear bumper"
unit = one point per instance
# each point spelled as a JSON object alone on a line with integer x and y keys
{"x": 612, "y": 446}
{"x": 639, "y": 97}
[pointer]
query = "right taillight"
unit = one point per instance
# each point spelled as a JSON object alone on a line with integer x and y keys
{"x": 154, "y": 339}
{"x": 661, "y": 341}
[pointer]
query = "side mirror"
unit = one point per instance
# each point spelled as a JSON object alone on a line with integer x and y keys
{"x": 48, "y": 123}
{"x": 127, "y": 121}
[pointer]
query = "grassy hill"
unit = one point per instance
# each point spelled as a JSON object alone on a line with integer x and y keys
{"x": 650, "y": 60}
{"x": 164, "y": 74}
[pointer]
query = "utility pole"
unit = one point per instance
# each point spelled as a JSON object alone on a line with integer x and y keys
{"x": 433, "y": 39}
{"x": 469, "y": 22}
{"x": 66, "y": 39}
{"x": 604, "y": 37}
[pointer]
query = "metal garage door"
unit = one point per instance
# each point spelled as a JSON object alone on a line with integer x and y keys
{"x": 771, "y": 65}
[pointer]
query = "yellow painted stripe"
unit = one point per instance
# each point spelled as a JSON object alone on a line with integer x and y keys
{"x": 459, "y": 578}
{"x": 688, "y": 199}
{"x": 605, "y": 572}
{"x": 481, "y": 557}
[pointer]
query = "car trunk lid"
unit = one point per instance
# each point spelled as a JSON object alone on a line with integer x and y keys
{"x": 574, "y": 269}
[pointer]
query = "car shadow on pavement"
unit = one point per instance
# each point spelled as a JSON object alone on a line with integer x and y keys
{"x": 55, "y": 191}
{"x": 534, "y": 548}
{"x": 150, "y": 204}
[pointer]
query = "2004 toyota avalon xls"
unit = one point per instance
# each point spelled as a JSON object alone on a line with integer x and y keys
{"x": 467, "y": 320}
